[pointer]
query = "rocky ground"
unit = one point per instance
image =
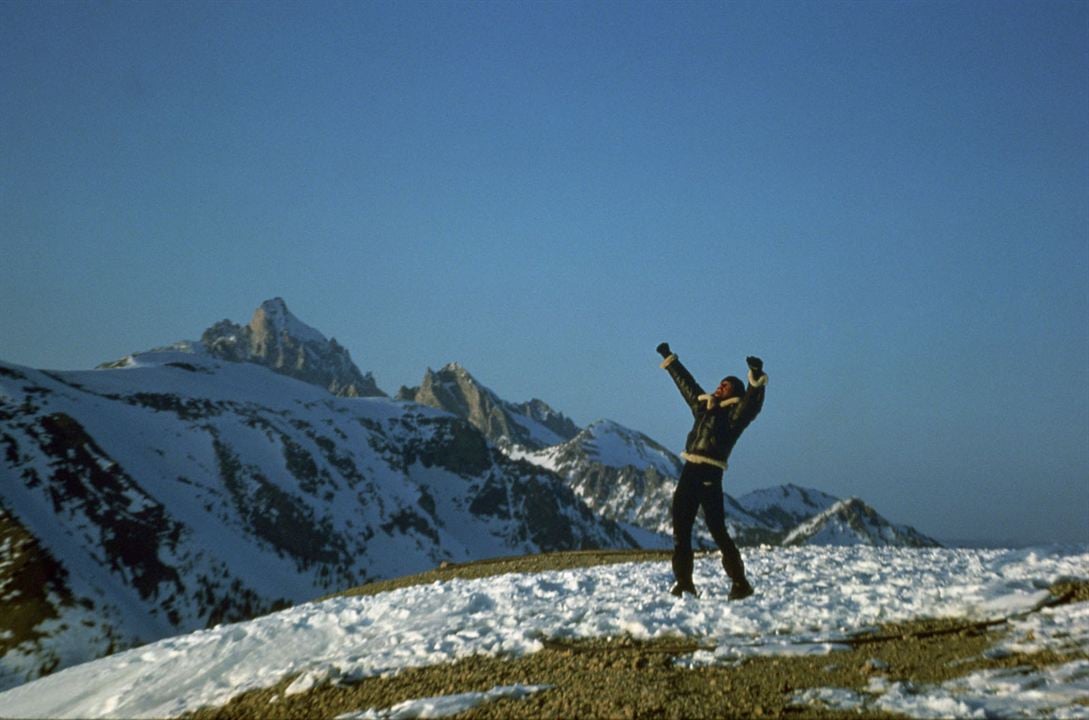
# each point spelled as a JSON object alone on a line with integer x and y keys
{"x": 625, "y": 678}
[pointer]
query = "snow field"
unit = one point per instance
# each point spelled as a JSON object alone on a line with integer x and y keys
{"x": 807, "y": 598}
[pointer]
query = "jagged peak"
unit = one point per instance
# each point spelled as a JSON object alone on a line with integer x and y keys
{"x": 456, "y": 374}
{"x": 274, "y": 317}
{"x": 457, "y": 371}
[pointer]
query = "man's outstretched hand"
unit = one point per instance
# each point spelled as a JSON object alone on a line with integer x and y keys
{"x": 663, "y": 350}
{"x": 756, "y": 365}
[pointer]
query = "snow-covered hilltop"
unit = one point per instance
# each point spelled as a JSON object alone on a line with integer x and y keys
{"x": 620, "y": 473}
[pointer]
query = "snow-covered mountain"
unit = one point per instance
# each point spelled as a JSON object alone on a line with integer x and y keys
{"x": 281, "y": 342}
{"x": 853, "y": 522}
{"x": 626, "y": 476}
{"x": 183, "y": 490}
{"x": 531, "y": 424}
{"x": 620, "y": 473}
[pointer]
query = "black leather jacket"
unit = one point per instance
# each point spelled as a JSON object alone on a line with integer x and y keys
{"x": 718, "y": 423}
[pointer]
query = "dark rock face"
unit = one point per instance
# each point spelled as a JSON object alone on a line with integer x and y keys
{"x": 122, "y": 519}
{"x": 34, "y": 590}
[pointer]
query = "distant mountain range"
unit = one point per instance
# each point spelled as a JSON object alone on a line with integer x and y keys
{"x": 623, "y": 475}
{"x": 258, "y": 467}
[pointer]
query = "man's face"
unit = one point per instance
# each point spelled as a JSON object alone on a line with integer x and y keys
{"x": 725, "y": 389}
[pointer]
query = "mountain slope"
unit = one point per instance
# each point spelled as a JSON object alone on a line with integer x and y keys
{"x": 620, "y": 473}
{"x": 183, "y": 491}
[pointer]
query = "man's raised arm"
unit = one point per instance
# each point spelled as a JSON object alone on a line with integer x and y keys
{"x": 753, "y": 399}
{"x": 690, "y": 389}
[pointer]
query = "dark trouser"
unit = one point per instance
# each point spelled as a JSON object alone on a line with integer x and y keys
{"x": 701, "y": 485}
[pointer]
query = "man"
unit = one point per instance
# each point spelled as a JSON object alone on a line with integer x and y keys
{"x": 720, "y": 419}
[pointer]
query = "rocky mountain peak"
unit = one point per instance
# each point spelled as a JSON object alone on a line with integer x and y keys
{"x": 452, "y": 388}
{"x": 272, "y": 323}
{"x": 276, "y": 339}
{"x": 281, "y": 342}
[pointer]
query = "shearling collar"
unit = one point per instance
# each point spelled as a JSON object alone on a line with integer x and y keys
{"x": 709, "y": 401}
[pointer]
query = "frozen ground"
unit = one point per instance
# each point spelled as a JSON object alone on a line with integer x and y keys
{"x": 807, "y": 599}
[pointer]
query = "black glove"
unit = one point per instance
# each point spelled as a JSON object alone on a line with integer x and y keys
{"x": 756, "y": 365}
{"x": 663, "y": 350}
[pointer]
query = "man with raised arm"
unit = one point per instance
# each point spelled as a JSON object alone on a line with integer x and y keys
{"x": 720, "y": 418}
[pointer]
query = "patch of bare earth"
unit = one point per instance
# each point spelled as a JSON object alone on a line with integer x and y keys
{"x": 626, "y": 678}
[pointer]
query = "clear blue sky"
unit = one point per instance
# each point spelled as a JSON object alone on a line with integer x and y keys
{"x": 888, "y": 201}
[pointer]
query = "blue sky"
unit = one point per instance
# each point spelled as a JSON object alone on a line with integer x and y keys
{"x": 888, "y": 201}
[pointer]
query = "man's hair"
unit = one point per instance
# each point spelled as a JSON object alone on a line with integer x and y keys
{"x": 737, "y": 386}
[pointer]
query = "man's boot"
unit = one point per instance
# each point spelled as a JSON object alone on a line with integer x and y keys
{"x": 735, "y": 570}
{"x": 681, "y": 588}
{"x": 683, "y": 563}
{"x": 741, "y": 589}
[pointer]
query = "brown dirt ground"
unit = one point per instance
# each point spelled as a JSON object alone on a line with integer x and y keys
{"x": 625, "y": 678}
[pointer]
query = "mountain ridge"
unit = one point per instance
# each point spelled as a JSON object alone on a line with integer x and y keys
{"x": 532, "y": 424}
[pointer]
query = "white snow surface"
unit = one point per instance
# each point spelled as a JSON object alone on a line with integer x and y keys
{"x": 807, "y": 599}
